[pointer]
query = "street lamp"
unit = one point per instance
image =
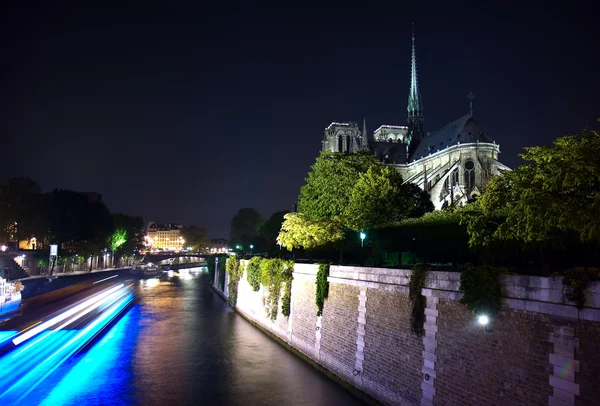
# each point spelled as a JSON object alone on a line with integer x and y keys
{"x": 362, "y": 238}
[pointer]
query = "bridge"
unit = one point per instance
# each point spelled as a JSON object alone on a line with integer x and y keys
{"x": 176, "y": 260}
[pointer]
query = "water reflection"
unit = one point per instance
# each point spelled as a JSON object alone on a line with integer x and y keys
{"x": 182, "y": 344}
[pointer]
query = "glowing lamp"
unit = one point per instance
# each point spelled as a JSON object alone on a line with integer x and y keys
{"x": 483, "y": 320}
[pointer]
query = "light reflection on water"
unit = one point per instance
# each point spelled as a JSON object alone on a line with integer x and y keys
{"x": 182, "y": 344}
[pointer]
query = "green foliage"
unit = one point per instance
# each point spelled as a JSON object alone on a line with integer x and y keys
{"x": 287, "y": 277}
{"x": 326, "y": 193}
{"x": 235, "y": 270}
{"x": 270, "y": 229}
{"x": 576, "y": 281}
{"x": 42, "y": 262}
{"x": 557, "y": 191}
{"x": 436, "y": 237}
{"x": 322, "y": 287}
{"x": 221, "y": 266}
{"x": 244, "y": 226}
{"x": 117, "y": 238}
{"x": 134, "y": 228}
{"x": 254, "y": 273}
{"x": 417, "y": 300}
{"x": 195, "y": 237}
{"x": 481, "y": 289}
{"x": 211, "y": 265}
{"x": 379, "y": 198}
{"x": 299, "y": 231}
{"x": 272, "y": 278}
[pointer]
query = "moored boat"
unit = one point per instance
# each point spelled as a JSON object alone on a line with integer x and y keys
{"x": 10, "y": 297}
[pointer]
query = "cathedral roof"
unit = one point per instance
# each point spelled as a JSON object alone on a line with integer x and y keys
{"x": 462, "y": 131}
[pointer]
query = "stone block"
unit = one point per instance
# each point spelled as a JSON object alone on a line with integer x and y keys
{"x": 426, "y": 386}
{"x": 565, "y": 373}
{"x": 552, "y": 401}
{"x": 429, "y": 356}
{"x": 563, "y": 384}
{"x": 428, "y": 364}
{"x": 564, "y": 396}
{"x": 429, "y": 342}
{"x": 564, "y": 362}
{"x": 431, "y": 312}
{"x": 430, "y": 327}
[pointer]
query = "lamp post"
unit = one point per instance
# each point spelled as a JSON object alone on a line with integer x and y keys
{"x": 362, "y": 238}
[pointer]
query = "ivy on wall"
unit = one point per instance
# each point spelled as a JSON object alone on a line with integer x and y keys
{"x": 576, "y": 281}
{"x": 322, "y": 286}
{"x": 417, "y": 300}
{"x": 272, "y": 278}
{"x": 481, "y": 289}
{"x": 210, "y": 264}
{"x": 287, "y": 277}
{"x": 222, "y": 270}
{"x": 254, "y": 273}
{"x": 235, "y": 269}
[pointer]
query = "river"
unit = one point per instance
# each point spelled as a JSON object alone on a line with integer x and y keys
{"x": 182, "y": 344}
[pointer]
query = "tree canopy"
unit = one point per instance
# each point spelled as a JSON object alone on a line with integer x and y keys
{"x": 379, "y": 198}
{"x": 244, "y": 226}
{"x": 195, "y": 237}
{"x": 329, "y": 184}
{"x": 298, "y": 231}
{"x": 557, "y": 191}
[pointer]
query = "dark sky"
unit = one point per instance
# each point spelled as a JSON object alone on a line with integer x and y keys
{"x": 186, "y": 113}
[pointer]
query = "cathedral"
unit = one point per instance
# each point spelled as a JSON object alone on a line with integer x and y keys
{"x": 454, "y": 164}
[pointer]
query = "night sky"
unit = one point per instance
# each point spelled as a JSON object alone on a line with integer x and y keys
{"x": 188, "y": 113}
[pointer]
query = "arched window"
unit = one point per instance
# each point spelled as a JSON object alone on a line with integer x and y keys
{"x": 470, "y": 174}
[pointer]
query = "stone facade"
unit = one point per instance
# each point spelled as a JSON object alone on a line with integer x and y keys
{"x": 453, "y": 163}
{"x": 537, "y": 351}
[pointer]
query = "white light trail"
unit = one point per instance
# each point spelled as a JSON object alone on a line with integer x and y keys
{"x": 64, "y": 315}
{"x": 105, "y": 279}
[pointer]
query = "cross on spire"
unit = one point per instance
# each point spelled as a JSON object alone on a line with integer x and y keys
{"x": 471, "y": 96}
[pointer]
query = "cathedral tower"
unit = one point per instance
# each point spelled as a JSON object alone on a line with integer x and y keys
{"x": 415, "y": 107}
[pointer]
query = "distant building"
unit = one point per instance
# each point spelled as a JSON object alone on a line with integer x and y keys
{"x": 454, "y": 164}
{"x": 164, "y": 237}
{"x": 219, "y": 245}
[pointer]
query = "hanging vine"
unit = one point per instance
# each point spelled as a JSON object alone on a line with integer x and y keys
{"x": 481, "y": 289}
{"x": 417, "y": 300}
{"x": 576, "y": 281}
{"x": 235, "y": 270}
{"x": 272, "y": 278}
{"x": 222, "y": 269}
{"x": 253, "y": 273}
{"x": 287, "y": 277}
{"x": 322, "y": 287}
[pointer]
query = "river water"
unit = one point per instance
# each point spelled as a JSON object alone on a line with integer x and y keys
{"x": 182, "y": 344}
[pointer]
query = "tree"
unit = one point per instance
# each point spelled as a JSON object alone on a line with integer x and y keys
{"x": 270, "y": 229}
{"x": 298, "y": 231}
{"x": 379, "y": 199}
{"x": 326, "y": 193}
{"x": 117, "y": 239}
{"x": 22, "y": 213}
{"x": 195, "y": 237}
{"x": 244, "y": 226}
{"x": 134, "y": 228}
{"x": 558, "y": 191}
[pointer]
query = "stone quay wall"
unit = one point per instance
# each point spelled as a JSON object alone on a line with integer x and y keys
{"x": 537, "y": 350}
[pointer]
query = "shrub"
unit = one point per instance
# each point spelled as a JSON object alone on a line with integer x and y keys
{"x": 254, "y": 273}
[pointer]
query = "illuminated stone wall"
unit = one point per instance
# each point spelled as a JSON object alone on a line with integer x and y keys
{"x": 538, "y": 350}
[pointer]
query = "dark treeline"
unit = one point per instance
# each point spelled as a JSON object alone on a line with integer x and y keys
{"x": 79, "y": 223}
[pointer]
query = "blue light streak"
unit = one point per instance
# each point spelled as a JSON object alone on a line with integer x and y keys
{"x": 25, "y": 368}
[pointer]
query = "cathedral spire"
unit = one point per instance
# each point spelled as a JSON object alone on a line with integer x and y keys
{"x": 415, "y": 107}
{"x": 364, "y": 141}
